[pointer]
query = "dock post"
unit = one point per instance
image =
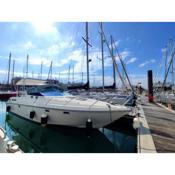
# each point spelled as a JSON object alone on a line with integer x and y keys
{"x": 150, "y": 86}
{"x": 89, "y": 127}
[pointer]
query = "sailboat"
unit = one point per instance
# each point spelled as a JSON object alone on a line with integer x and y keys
{"x": 7, "y": 90}
{"x": 166, "y": 91}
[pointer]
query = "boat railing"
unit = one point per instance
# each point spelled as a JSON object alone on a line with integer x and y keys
{"x": 128, "y": 99}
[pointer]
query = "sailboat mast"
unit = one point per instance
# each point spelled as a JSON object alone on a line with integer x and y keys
{"x": 124, "y": 77}
{"x": 86, "y": 40}
{"x": 82, "y": 77}
{"x": 9, "y": 63}
{"x": 87, "y": 53}
{"x": 69, "y": 75}
{"x": 169, "y": 66}
{"x": 27, "y": 64}
{"x": 166, "y": 55}
{"x": 102, "y": 53}
{"x": 50, "y": 72}
{"x": 116, "y": 66}
{"x": 73, "y": 75}
{"x": 112, "y": 52}
{"x": 13, "y": 70}
{"x": 59, "y": 77}
{"x": 41, "y": 71}
{"x": 172, "y": 72}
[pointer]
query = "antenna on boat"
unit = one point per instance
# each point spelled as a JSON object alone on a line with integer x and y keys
{"x": 9, "y": 63}
{"x": 87, "y": 53}
{"x": 112, "y": 52}
{"x": 82, "y": 77}
{"x": 27, "y": 63}
{"x": 13, "y": 70}
{"x": 59, "y": 76}
{"x": 68, "y": 80}
{"x": 73, "y": 75}
{"x": 41, "y": 70}
{"x": 102, "y": 53}
{"x": 50, "y": 71}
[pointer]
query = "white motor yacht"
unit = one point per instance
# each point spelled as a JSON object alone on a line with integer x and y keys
{"x": 66, "y": 110}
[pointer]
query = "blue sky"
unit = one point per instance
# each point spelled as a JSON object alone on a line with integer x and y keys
{"x": 140, "y": 44}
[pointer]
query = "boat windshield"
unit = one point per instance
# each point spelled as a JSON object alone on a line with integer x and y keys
{"x": 46, "y": 91}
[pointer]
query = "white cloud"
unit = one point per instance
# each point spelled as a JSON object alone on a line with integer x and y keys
{"x": 131, "y": 60}
{"x": 144, "y": 64}
{"x": 138, "y": 78}
{"x": 68, "y": 43}
{"x": 28, "y": 45}
{"x": 152, "y": 61}
{"x": 44, "y": 27}
{"x": 79, "y": 57}
{"x": 115, "y": 44}
{"x": 96, "y": 80}
{"x": 147, "y": 62}
{"x": 95, "y": 65}
{"x": 123, "y": 54}
{"x": 163, "y": 49}
{"x": 33, "y": 60}
{"x": 53, "y": 50}
{"x": 38, "y": 60}
{"x": 58, "y": 47}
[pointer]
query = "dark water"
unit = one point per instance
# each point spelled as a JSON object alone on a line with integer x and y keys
{"x": 32, "y": 137}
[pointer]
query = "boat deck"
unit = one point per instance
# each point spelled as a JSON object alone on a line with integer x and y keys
{"x": 161, "y": 124}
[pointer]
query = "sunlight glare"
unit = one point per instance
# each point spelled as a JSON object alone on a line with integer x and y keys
{"x": 44, "y": 27}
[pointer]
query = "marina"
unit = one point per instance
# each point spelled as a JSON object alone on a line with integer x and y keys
{"x": 154, "y": 133}
{"x": 95, "y": 107}
{"x": 87, "y": 87}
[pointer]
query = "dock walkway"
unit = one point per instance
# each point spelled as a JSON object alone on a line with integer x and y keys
{"x": 162, "y": 126}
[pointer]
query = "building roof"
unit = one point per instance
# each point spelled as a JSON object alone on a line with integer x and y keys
{"x": 31, "y": 82}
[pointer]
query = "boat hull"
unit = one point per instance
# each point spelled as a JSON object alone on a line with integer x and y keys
{"x": 166, "y": 98}
{"x": 51, "y": 115}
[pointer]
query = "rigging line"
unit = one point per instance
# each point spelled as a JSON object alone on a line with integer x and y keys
{"x": 169, "y": 53}
{"x": 159, "y": 70}
{"x": 120, "y": 57}
{"x": 172, "y": 57}
{"x": 113, "y": 58}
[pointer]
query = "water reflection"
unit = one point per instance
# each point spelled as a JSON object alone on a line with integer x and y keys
{"x": 34, "y": 138}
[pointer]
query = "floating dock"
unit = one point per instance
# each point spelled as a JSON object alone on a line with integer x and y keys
{"x": 157, "y": 128}
{"x": 7, "y": 145}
